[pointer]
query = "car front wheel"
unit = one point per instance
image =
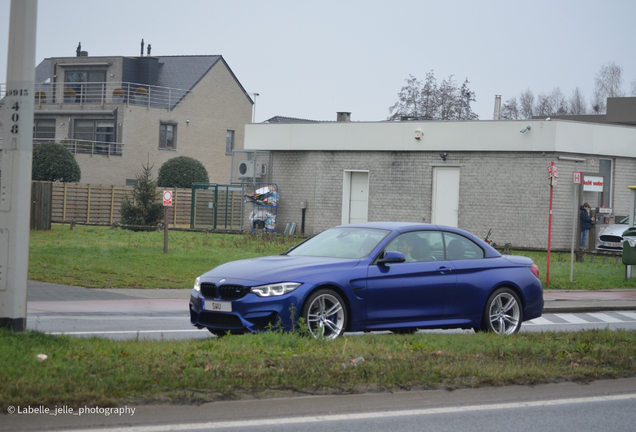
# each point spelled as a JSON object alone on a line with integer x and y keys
{"x": 325, "y": 314}
{"x": 503, "y": 313}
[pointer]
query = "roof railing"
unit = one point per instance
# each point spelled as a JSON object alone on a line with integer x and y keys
{"x": 105, "y": 93}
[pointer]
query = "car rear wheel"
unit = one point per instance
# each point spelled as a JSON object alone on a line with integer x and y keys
{"x": 325, "y": 314}
{"x": 503, "y": 313}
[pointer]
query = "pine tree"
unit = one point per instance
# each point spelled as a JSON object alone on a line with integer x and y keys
{"x": 144, "y": 210}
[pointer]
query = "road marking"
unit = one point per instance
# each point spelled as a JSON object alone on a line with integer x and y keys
{"x": 631, "y": 315}
{"x": 361, "y": 416}
{"x": 604, "y": 317}
{"x": 539, "y": 321}
{"x": 122, "y": 332}
{"x": 572, "y": 319}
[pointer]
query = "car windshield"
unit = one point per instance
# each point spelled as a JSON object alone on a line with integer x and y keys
{"x": 341, "y": 243}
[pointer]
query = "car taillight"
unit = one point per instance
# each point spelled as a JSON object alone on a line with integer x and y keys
{"x": 535, "y": 270}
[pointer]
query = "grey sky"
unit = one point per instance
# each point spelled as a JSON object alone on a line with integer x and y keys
{"x": 310, "y": 59}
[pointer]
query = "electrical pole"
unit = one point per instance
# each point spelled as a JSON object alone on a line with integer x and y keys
{"x": 17, "y": 154}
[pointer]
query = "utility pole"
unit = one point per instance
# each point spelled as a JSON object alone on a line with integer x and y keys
{"x": 17, "y": 154}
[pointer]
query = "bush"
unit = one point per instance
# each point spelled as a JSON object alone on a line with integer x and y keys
{"x": 54, "y": 162}
{"x": 181, "y": 172}
{"x": 144, "y": 210}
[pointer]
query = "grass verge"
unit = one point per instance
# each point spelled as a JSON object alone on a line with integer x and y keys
{"x": 101, "y": 257}
{"x": 101, "y": 372}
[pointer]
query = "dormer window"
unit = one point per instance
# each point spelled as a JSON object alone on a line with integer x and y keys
{"x": 88, "y": 85}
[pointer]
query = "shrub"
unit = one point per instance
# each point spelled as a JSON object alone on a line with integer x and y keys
{"x": 181, "y": 172}
{"x": 144, "y": 210}
{"x": 54, "y": 162}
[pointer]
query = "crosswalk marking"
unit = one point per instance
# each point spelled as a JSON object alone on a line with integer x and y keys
{"x": 540, "y": 321}
{"x": 605, "y": 318}
{"x": 583, "y": 318}
{"x": 571, "y": 318}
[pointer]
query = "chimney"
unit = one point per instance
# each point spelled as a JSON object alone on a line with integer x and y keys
{"x": 497, "y": 107}
{"x": 343, "y": 117}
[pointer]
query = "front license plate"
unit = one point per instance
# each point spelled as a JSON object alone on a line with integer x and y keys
{"x": 217, "y": 306}
{"x": 611, "y": 244}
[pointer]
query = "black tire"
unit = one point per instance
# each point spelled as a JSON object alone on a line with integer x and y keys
{"x": 325, "y": 314}
{"x": 503, "y": 312}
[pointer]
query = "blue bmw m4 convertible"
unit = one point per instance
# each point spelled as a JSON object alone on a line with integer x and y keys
{"x": 370, "y": 277}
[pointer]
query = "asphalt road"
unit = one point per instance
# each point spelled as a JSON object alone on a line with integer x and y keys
{"x": 564, "y": 407}
{"x": 163, "y": 314}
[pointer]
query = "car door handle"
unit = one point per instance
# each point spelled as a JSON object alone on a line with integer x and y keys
{"x": 444, "y": 269}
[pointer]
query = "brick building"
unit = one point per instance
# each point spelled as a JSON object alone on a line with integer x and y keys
{"x": 475, "y": 175}
{"x": 117, "y": 113}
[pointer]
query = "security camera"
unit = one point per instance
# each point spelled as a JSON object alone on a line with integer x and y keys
{"x": 527, "y": 128}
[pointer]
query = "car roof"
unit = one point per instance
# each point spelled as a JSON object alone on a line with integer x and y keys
{"x": 403, "y": 226}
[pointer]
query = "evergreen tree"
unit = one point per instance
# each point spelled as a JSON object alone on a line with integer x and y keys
{"x": 145, "y": 208}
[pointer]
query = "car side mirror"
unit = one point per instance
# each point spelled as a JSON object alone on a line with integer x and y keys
{"x": 391, "y": 257}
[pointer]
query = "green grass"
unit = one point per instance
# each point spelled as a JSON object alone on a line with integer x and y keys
{"x": 101, "y": 372}
{"x": 101, "y": 257}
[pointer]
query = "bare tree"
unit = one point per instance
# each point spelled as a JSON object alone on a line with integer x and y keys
{"x": 526, "y": 104}
{"x": 576, "y": 103}
{"x": 557, "y": 102}
{"x": 607, "y": 83}
{"x": 510, "y": 110}
{"x": 431, "y": 101}
{"x": 409, "y": 99}
{"x": 543, "y": 106}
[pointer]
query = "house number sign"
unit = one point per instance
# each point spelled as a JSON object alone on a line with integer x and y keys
{"x": 17, "y": 100}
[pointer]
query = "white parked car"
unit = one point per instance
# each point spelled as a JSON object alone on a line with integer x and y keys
{"x": 610, "y": 238}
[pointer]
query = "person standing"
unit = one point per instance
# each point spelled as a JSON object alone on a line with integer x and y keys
{"x": 586, "y": 222}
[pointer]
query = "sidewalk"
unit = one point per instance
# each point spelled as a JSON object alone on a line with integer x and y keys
{"x": 560, "y": 301}
{"x": 46, "y": 297}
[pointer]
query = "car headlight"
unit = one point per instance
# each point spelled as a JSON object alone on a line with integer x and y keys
{"x": 197, "y": 284}
{"x": 275, "y": 289}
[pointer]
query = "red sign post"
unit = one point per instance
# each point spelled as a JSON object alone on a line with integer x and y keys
{"x": 552, "y": 178}
{"x": 167, "y": 202}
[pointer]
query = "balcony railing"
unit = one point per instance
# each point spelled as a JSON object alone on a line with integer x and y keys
{"x": 103, "y": 93}
{"x": 88, "y": 147}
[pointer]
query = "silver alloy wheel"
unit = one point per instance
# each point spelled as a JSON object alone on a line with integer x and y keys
{"x": 326, "y": 316}
{"x": 504, "y": 314}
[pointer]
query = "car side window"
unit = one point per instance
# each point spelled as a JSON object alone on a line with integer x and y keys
{"x": 460, "y": 248}
{"x": 419, "y": 246}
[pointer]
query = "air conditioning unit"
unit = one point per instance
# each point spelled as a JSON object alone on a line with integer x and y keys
{"x": 251, "y": 170}
{"x": 246, "y": 170}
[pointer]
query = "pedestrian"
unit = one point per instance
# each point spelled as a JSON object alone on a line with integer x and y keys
{"x": 586, "y": 222}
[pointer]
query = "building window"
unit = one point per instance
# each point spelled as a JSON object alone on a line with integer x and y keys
{"x": 89, "y": 86}
{"x": 132, "y": 182}
{"x": 94, "y": 130}
{"x": 44, "y": 129}
{"x": 229, "y": 142}
{"x": 168, "y": 136}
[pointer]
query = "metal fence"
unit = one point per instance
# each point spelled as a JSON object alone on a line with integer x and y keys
{"x": 101, "y": 93}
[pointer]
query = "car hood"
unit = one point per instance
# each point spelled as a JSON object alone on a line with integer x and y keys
{"x": 278, "y": 268}
{"x": 615, "y": 230}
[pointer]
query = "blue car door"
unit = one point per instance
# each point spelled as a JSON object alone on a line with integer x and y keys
{"x": 420, "y": 289}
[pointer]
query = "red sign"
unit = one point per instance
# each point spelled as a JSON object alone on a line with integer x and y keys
{"x": 576, "y": 178}
{"x": 167, "y": 198}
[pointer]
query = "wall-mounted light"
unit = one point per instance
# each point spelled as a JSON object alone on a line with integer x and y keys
{"x": 418, "y": 134}
{"x": 443, "y": 156}
{"x": 525, "y": 129}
